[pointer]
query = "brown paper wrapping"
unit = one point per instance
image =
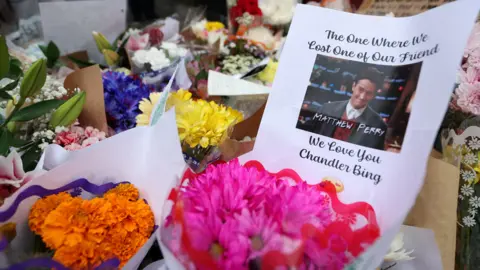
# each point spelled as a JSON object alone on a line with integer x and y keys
{"x": 232, "y": 147}
{"x": 90, "y": 80}
{"x": 401, "y": 8}
{"x": 436, "y": 207}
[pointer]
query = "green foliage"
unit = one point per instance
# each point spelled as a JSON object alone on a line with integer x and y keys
{"x": 31, "y": 84}
{"x": 34, "y": 79}
{"x": 52, "y": 53}
{"x": 69, "y": 111}
{"x": 36, "y": 110}
{"x": 4, "y": 57}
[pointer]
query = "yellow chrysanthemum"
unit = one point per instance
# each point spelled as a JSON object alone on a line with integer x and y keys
{"x": 178, "y": 97}
{"x": 268, "y": 74}
{"x": 214, "y": 26}
{"x": 146, "y": 105}
{"x": 205, "y": 123}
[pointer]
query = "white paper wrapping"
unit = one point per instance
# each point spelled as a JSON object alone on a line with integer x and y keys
{"x": 148, "y": 157}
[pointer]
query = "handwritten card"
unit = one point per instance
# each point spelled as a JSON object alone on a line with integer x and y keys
{"x": 363, "y": 104}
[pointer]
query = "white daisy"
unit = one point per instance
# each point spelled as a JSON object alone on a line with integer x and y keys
{"x": 460, "y": 196}
{"x": 468, "y": 175}
{"x": 466, "y": 190}
{"x": 474, "y": 143}
{"x": 475, "y": 202}
{"x": 469, "y": 221}
{"x": 472, "y": 211}
{"x": 470, "y": 159}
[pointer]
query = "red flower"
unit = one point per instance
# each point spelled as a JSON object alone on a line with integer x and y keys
{"x": 155, "y": 35}
{"x": 244, "y": 6}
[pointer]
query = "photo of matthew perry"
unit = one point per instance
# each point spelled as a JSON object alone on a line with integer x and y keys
{"x": 364, "y": 104}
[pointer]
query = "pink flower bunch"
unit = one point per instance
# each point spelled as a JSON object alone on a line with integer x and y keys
{"x": 237, "y": 215}
{"x": 137, "y": 42}
{"x": 76, "y": 137}
{"x": 467, "y": 93}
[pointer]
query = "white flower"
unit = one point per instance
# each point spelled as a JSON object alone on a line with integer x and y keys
{"x": 466, "y": 190}
{"x": 397, "y": 252}
{"x": 475, "y": 202}
{"x": 468, "y": 175}
{"x": 277, "y": 12}
{"x": 470, "y": 159}
{"x": 11, "y": 171}
{"x": 174, "y": 50}
{"x": 261, "y": 34}
{"x": 468, "y": 221}
{"x": 474, "y": 143}
{"x": 155, "y": 57}
{"x": 461, "y": 197}
{"x": 472, "y": 211}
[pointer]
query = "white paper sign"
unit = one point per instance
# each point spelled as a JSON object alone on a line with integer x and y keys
{"x": 341, "y": 101}
{"x": 70, "y": 24}
{"x": 225, "y": 85}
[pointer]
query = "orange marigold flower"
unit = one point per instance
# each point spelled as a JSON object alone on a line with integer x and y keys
{"x": 78, "y": 257}
{"x": 42, "y": 207}
{"x": 128, "y": 191}
{"x": 65, "y": 225}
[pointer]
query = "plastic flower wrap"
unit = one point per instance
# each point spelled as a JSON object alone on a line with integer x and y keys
{"x": 122, "y": 96}
{"x": 236, "y": 216}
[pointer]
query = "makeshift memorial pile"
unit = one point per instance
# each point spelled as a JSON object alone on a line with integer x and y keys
{"x": 202, "y": 126}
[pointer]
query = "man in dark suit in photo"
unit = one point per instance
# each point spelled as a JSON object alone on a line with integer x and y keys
{"x": 353, "y": 120}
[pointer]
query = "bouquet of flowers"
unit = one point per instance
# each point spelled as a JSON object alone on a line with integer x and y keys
{"x": 202, "y": 125}
{"x": 236, "y": 216}
{"x": 34, "y": 105}
{"x": 83, "y": 214}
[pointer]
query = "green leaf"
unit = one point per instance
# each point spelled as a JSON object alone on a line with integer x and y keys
{"x": 31, "y": 157}
{"x": 4, "y": 142}
{"x": 36, "y": 110}
{"x": 79, "y": 62}
{"x": 10, "y": 86}
{"x": 43, "y": 49}
{"x": 16, "y": 142}
{"x": 5, "y": 96}
{"x": 4, "y": 57}
{"x": 69, "y": 111}
{"x": 15, "y": 71}
{"x": 52, "y": 53}
{"x": 34, "y": 79}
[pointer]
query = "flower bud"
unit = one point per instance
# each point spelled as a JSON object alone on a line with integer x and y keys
{"x": 34, "y": 79}
{"x": 101, "y": 41}
{"x": 69, "y": 111}
{"x": 111, "y": 57}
